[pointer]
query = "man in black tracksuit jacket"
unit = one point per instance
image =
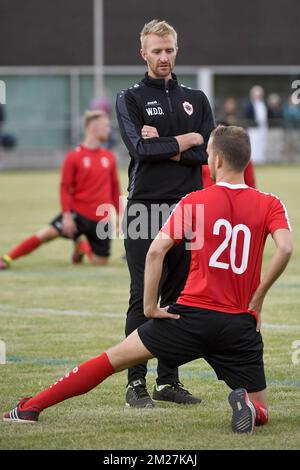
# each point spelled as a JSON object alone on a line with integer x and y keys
{"x": 159, "y": 120}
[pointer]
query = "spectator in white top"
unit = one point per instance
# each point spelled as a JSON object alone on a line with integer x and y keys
{"x": 256, "y": 115}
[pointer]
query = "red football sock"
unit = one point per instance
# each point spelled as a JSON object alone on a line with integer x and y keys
{"x": 262, "y": 416}
{"x": 78, "y": 381}
{"x": 25, "y": 247}
{"x": 85, "y": 248}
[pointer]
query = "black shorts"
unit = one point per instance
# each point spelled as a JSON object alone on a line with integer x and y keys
{"x": 228, "y": 342}
{"x": 89, "y": 228}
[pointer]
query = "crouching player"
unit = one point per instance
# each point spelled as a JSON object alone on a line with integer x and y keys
{"x": 217, "y": 316}
{"x": 89, "y": 180}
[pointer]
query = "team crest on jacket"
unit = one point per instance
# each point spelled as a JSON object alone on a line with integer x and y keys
{"x": 86, "y": 162}
{"x": 104, "y": 162}
{"x": 188, "y": 107}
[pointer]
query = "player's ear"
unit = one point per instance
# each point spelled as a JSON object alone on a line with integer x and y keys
{"x": 219, "y": 161}
{"x": 143, "y": 54}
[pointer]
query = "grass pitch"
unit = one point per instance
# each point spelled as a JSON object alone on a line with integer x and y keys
{"x": 54, "y": 315}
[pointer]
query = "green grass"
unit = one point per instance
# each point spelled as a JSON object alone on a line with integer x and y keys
{"x": 54, "y": 315}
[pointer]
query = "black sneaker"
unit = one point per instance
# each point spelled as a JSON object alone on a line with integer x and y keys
{"x": 243, "y": 414}
{"x": 137, "y": 395}
{"x": 16, "y": 415}
{"x": 175, "y": 393}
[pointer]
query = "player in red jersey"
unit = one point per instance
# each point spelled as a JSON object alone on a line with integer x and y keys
{"x": 217, "y": 315}
{"x": 89, "y": 183}
{"x": 249, "y": 176}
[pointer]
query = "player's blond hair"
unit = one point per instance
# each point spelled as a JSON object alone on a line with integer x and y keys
{"x": 160, "y": 28}
{"x": 91, "y": 115}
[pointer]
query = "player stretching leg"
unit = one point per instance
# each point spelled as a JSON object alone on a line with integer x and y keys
{"x": 89, "y": 179}
{"x": 217, "y": 316}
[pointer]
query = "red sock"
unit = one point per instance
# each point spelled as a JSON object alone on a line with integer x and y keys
{"x": 26, "y": 247}
{"x": 261, "y": 413}
{"x": 85, "y": 247}
{"x": 78, "y": 381}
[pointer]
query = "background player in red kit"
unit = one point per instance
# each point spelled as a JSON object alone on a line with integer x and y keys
{"x": 89, "y": 178}
{"x": 249, "y": 176}
{"x": 217, "y": 315}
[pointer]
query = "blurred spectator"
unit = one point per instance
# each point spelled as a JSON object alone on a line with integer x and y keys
{"x": 256, "y": 119}
{"x": 291, "y": 115}
{"x": 275, "y": 113}
{"x": 228, "y": 116}
{"x": 276, "y": 133}
{"x": 2, "y": 117}
{"x": 6, "y": 140}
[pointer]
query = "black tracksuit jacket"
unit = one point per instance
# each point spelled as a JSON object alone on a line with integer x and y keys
{"x": 173, "y": 109}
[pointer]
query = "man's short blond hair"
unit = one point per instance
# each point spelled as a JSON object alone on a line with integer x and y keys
{"x": 91, "y": 115}
{"x": 161, "y": 28}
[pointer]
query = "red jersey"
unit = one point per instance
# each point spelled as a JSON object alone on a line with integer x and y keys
{"x": 248, "y": 175}
{"x": 225, "y": 271}
{"x": 89, "y": 178}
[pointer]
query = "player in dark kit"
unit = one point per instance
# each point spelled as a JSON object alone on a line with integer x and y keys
{"x": 218, "y": 314}
{"x": 165, "y": 127}
{"x": 89, "y": 184}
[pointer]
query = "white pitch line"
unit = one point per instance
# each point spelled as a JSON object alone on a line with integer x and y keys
{"x": 85, "y": 313}
{"x": 280, "y": 326}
